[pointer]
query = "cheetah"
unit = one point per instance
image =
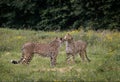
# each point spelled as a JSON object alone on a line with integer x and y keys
{"x": 50, "y": 50}
{"x": 74, "y": 47}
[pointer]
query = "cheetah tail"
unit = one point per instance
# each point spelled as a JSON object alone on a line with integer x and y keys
{"x": 14, "y": 62}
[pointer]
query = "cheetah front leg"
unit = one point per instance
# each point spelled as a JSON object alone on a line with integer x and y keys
{"x": 53, "y": 60}
{"x": 68, "y": 58}
{"x": 73, "y": 56}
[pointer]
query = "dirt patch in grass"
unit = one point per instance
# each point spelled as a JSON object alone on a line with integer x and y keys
{"x": 62, "y": 70}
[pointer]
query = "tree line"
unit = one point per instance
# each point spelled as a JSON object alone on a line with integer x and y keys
{"x": 60, "y": 14}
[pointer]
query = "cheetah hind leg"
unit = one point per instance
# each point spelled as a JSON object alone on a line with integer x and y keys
{"x": 85, "y": 53}
{"x": 27, "y": 59}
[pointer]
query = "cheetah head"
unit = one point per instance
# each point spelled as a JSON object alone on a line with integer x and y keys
{"x": 60, "y": 40}
{"x": 68, "y": 37}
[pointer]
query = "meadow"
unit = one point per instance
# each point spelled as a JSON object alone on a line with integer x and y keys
{"x": 103, "y": 50}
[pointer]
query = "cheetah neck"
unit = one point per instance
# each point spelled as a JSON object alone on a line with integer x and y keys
{"x": 55, "y": 44}
{"x": 70, "y": 43}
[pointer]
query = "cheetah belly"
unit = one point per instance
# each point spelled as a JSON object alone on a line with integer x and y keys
{"x": 43, "y": 53}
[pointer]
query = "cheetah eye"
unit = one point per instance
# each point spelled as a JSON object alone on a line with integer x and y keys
{"x": 61, "y": 39}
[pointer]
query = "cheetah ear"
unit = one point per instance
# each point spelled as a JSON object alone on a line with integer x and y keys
{"x": 70, "y": 36}
{"x": 56, "y": 37}
{"x": 68, "y": 33}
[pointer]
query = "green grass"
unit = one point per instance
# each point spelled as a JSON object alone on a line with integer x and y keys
{"x": 103, "y": 50}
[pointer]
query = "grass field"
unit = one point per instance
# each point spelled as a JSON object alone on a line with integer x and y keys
{"x": 103, "y": 50}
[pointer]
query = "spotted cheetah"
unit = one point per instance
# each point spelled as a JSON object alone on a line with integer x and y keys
{"x": 74, "y": 47}
{"x": 46, "y": 50}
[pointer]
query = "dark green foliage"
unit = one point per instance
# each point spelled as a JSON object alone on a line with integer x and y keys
{"x": 60, "y": 14}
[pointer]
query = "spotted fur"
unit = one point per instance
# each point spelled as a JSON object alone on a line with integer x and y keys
{"x": 46, "y": 50}
{"x": 74, "y": 47}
